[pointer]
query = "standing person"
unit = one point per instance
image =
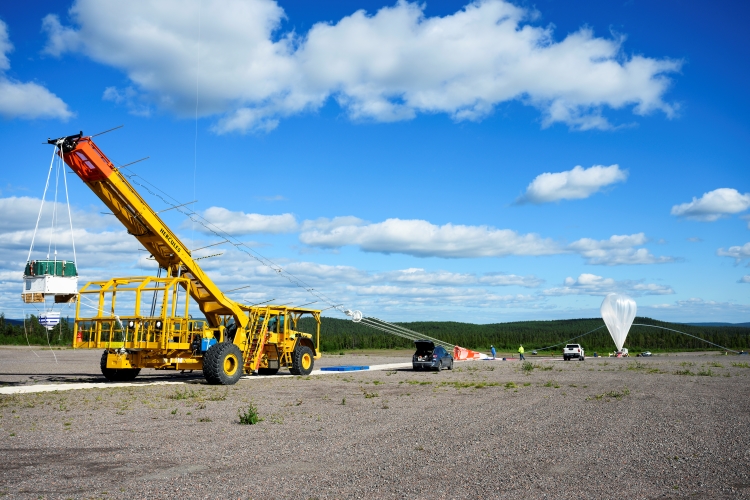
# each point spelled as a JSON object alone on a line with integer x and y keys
{"x": 520, "y": 353}
{"x": 492, "y": 349}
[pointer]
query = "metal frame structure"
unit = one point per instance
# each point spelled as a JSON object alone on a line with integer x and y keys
{"x": 234, "y": 338}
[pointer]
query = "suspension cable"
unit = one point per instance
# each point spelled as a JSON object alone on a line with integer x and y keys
{"x": 54, "y": 212}
{"x": 677, "y": 331}
{"x": 242, "y": 247}
{"x": 70, "y": 218}
{"x": 44, "y": 197}
{"x": 578, "y": 337}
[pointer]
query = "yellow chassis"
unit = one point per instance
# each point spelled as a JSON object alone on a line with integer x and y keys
{"x": 167, "y": 341}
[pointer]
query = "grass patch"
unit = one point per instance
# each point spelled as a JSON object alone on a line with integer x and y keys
{"x": 527, "y": 366}
{"x": 204, "y": 419}
{"x": 249, "y": 416}
{"x": 608, "y": 396}
{"x": 418, "y": 382}
{"x": 217, "y": 396}
{"x": 469, "y": 385}
{"x": 482, "y": 385}
{"x": 511, "y": 385}
{"x": 706, "y": 372}
{"x": 684, "y": 372}
{"x": 741, "y": 365}
{"x": 276, "y": 419}
{"x": 715, "y": 364}
{"x": 185, "y": 394}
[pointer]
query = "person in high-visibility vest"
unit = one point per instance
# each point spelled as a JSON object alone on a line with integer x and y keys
{"x": 520, "y": 353}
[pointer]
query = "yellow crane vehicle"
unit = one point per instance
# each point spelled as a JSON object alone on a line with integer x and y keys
{"x": 144, "y": 322}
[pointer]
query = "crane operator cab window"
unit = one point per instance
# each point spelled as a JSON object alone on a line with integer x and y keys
{"x": 276, "y": 324}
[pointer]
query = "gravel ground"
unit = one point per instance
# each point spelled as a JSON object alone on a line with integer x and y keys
{"x": 661, "y": 427}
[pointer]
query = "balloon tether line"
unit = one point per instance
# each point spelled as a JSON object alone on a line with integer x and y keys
{"x": 677, "y": 331}
{"x": 578, "y": 337}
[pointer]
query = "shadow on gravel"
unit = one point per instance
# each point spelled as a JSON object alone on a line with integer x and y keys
{"x": 77, "y": 378}
{"x": 89, "y": 467}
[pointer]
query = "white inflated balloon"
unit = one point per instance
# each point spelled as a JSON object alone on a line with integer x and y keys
{"x": 618, "y": 313}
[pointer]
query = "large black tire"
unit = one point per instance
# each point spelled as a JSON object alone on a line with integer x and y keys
{"x": 450, "y": 366}
{"x": 117, "y": 374}
{"x": 222, "y": 364}
{"x": 302, "y": 361}
{"x": 440, "y": 365}
{"x": 268, "y": 371}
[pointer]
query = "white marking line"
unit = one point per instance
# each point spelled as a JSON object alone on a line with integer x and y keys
{"x": 30, "y": 389}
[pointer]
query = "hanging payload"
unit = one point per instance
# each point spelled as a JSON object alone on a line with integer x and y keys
{"x": 51, "y": 280}
{"x": 618, "y": 312}
{"x": 55, "y": 279}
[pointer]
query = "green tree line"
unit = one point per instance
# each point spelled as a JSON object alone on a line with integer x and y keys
{"x": 339, "y": 334}
{"x": 35, "y": 334}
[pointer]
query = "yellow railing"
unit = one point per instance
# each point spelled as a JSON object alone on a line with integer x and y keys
{"x": 167, "y": 324}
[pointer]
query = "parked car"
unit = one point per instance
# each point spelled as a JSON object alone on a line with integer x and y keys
{"x": 646, "y": 354}
{"x": 534, "y": 352}
{"x": 431, "y": 357}
{"x": 571, "y": 351}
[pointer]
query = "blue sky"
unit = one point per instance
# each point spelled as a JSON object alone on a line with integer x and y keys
{"x": 482, "y": 162}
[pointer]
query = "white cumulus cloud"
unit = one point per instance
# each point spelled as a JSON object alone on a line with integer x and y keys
{"x": 737, "y": 252}
{"x": 572, "y": 184}
{"x": 591, "y": 284}
{"x": 389, "y": 65}
{"x": 502, "y": 279}
{"x": 421, "y": 238}
{"x": 713, "y": 205}
{"x": 422, "y": 277}
{"x": 698, "y": 309}
{"x": 424, "y": 239}
{"x": 617, "y": 250}
{"x": 239, "y": 223}
{"x": 745, "y": 279}
{"x": 27, "y": 100}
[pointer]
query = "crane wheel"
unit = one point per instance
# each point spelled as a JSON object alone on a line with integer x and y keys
{"x": 222, "y": 364}
{"x": 117, "y": 374}
{"x": 302, "y": 361}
